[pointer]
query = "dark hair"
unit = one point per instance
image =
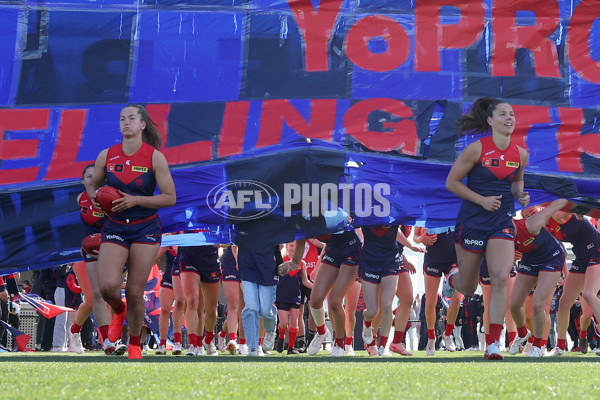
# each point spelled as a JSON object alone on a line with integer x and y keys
{"x": 85, "y": 169}
{"x": 476, "y": 119}
{"x": 150, "y": 135}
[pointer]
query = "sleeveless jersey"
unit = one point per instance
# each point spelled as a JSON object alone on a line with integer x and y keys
{"x": 133, "y": 175}
{"x": 338, "y": 243}
{"x": 380, "y": 243}
{"x": 92, "y": 219}
{"x": 493, "y": 175}
{"x": 288, "y": 288}
{"x": 580, "y": 233}
{"x": 536, "y": 249}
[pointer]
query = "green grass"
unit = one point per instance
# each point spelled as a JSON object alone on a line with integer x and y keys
{"x": 445, "y": 376}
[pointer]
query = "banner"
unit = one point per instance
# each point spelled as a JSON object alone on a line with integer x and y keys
{"x": 342, "y": 92}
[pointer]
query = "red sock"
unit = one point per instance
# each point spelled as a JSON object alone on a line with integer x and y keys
{"x": 449, "y": 329}
{"x": 199, "y": 340}
{"x": 383, "y": 340}
{"x": 192, "y": 337}
{"x": 242, "y": 340}
{"x": 223, "y": 334}
{"x": 292, "y": 337}
{"x": 103, "y": 330}
{"x": 349, "y": 340}
{"x": 260, "y": 341}
{"x": 495, "y": 331}
{"x": 522, "y": 331}
{"x": 210, "y": 335}
{"x": 583, "y": 334}
{"x": 544, "y": 342}
{"x": 430, "y": 334}
{"x": 398, "y": 336}
{"x": 487, "y": 339}
{"x": 134, "y": 340}
{"x": 368, "y": 323}
{"x": 233, "y": 336}
{"x": 339, "y": 342}
{"x": 282, "y": 332}
{"x": 163, "y": 342}
{"x": 561, "y": 343}
{"x": 530, "y": 340}
{"x": 177, "y": 337}
{"x": 321, "y": 329}
{"x": 120, "y": 309}
{"x": 374, "y": 342}
{"x": 537, "y": 342}
{"x": 76, "y": 328}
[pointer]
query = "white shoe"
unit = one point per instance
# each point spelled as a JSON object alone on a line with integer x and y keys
{"x": 177, "y": 349}
{"x": 384, "y": 352}
{"x": 269, "y": 341}
{"x": 336, "y": 351}
{"x": 367, "y": 334}
{"x": 527, "y": 349}
{"x": 315, "y": 345}
{"x": 232, "y": 347}
{"x": 244, "y": 349}
{"x": 211, "y": 349}
{"x": 515, "y": 347}
{"x": 430, "y": 348}
{"x": 161, "y": 351}
{"x": 535, "y": 352}
{"x": 191, "y": 351}
{"x": 253, "y": 353}
{"x": 449, "y": 343}
{"x": 261, "y": 352}
{"x": 400, "y": 349}
{"x": 557, "y": 352}
{"x": 447, "y": 290}
{"x": 349, "y": 350}
{"x": 199, "y": 351}
{"x": 146, "y": 348}
{"x": 221, "y": 343}
{"x": 493, "y": 352}
{"x": 75, "y": 342}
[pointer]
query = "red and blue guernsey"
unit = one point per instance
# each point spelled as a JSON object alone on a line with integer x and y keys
{"x": 93, "y": 219}
{"x": 380, "y": 243}
{"x": 581, "y": 234}
{"x": 537, "y": 249}
{"x": 133, "y": 175}
{"x": 493, "y": 175}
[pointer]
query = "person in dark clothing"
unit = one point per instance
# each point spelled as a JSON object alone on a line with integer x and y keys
{"x": 48, "y": 287}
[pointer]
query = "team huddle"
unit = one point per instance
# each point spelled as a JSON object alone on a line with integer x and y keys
{"x": 518, "y": 262}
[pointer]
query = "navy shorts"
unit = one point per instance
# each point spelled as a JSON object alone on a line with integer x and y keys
{"x": 304, "y": 293}
{"x": 484, "y": 274}
{"x": 230, "y": 274}
{"x": 286, "y": 306}
{"x": 374, "y": 271}
{"x": 580, "y": 267}
{"x": 210, "y": 272}
{"x": 437, "y": 269}
{"x": 124, "y": 234}
{"x": 350, "y": 258}
{"x": 86, "y": 257}
{"x": 475, "y": 240}
{"x": 554, "y": 265}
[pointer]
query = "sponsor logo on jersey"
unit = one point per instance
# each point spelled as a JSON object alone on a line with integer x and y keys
{"x": 512, "y": 164}
{"x": 489, "y": 152}
{"x": 214, "y": 274}
{"x": 528, "y": 241}
{"x": 98, "y": 214}
{"x": 135, "y": 168}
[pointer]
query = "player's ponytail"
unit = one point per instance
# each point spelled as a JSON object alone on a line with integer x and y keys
{"x": 475, "y": 120}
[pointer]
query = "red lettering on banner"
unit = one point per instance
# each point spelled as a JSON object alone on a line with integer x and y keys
{"x": 233, "y": 128}
{"x": 571, "y": 143}
{"x": 276, "y": 112}
{"x": 578, "y": 41}
{"x": 20, "y": 120}
{"x": 316, "y": 27}
{"x": 508, "y": 36}
{"x": 64, "y": 164}
{"x": 182, "y": 154}
{"x": 398, "y": 43}
{"x": 527, "y": 116}
{"x": 431, "y": 35}
{"x": 402, "y": 134}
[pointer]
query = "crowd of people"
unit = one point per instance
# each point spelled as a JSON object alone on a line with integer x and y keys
{"x": 302, "y": 296}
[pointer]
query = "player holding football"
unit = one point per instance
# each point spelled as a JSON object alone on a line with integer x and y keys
{"x": 132, "y": 236}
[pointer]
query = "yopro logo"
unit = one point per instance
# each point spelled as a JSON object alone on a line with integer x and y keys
{"x": 474, "y": 242}
{"x": 231, "y": 199}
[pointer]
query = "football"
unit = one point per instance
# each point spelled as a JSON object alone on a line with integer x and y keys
{"x": 91, "y": 243}
{"x": 105, "y": 196}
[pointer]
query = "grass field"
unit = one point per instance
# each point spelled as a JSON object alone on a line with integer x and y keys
{"x": 457, "y": 375}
